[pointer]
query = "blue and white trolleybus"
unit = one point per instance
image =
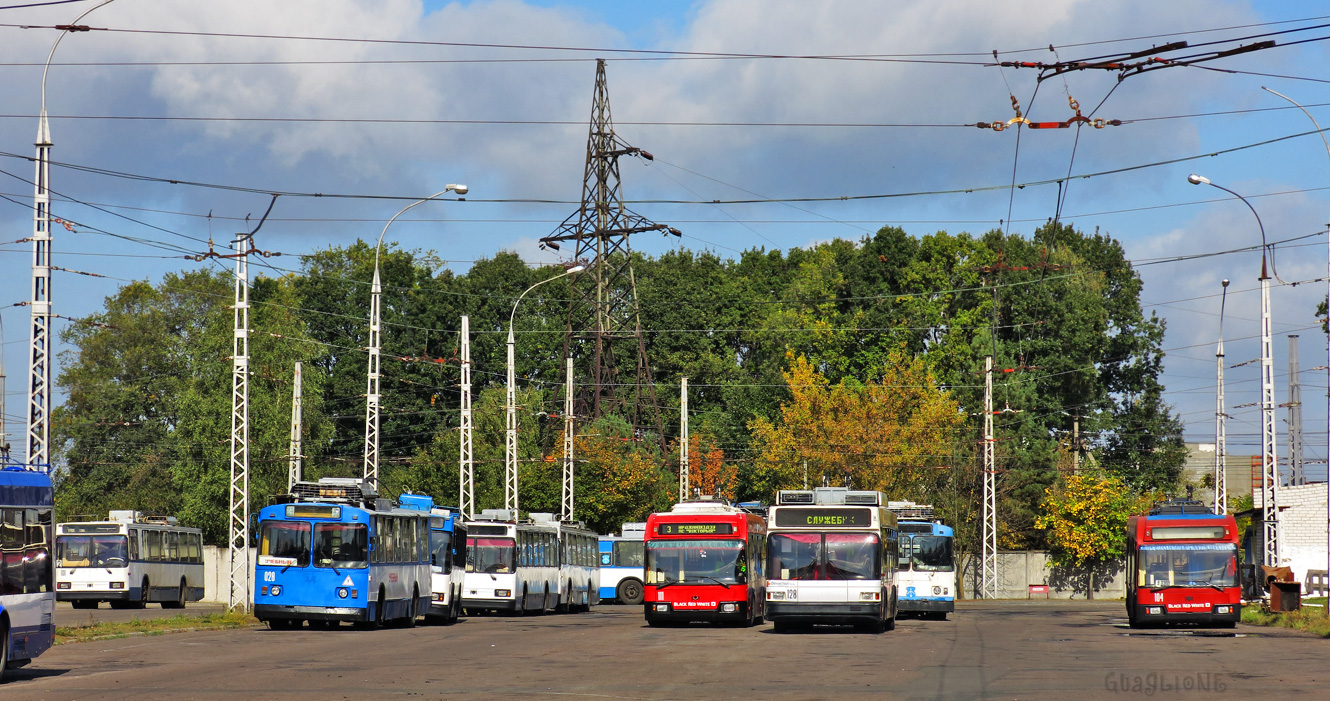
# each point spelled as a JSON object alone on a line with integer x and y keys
{"x": 927, "y": 570}
{"x": 335, "y": 552}
{"x": 447, "y": 547}
{"x": 621, "y": 565}
{"x": 27, "y": 591}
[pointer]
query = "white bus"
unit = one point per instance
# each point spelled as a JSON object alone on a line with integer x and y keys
{"x": 129, "y": 560}
{"x": 622, "y": 568}
{"x": 926, "y": 573}
{"x": 832, "y": 559}
{"x": 529, "y": 566}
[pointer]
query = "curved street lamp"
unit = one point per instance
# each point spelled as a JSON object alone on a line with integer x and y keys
{"x": 371, "y": 472}
{"x": 40, "y": 357}
{"x": 1269, "y": 460}
{"x": 510, "y": 443}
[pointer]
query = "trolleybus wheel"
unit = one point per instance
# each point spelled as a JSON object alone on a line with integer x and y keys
{"x": 629, "y": 592}
{"x": 179, "y": 603}
{"x": 4, "y": 647}
{"x": 782, "y": 626}
{"x": 144, "y": 592}
{"x": 520, "y": 608}
{"x": 379, "y": 616}
{"x": 411, "y": 615}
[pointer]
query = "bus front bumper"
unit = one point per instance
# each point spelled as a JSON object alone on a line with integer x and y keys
{"x": 1154, "y": 614}
{"x": 823, "y": 612}
{"x": 490, "y": 604}
{"x": 666, "y": 611}
{"x": 267, "y": 612}
{"x": 926, "y": 605}
{"x": 104, "y": 595}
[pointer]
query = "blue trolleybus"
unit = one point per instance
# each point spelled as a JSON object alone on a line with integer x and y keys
{"x": 335, "y": 552}
{"x": 621, "y": 565}
{"x": 927, "y": 570}
{"x": 27, "y": 591}
{"x": 447, "y": 547}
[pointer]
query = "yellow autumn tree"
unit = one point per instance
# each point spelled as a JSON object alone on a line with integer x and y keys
{"x": 708, "y": 473}
{"x": 1085, "y": 514}
{"x": 884, "y": 435}
{"x": 619, "y": 478}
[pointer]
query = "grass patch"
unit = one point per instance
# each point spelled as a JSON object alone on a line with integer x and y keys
{"x": 1312, "y": 620}
{"x": 153, "y": 626}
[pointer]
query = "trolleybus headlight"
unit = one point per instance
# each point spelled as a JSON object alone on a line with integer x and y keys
{"x": 937, "y": 591}
{"x": 117, "y": 585}
{"x": 62, "y": 585}
{"x": 775, "y": 595}
{"x": 503, "y": 593}
{"x": 1155, "y": 609}
{"x": 727, "y": 608}
{"x": 1223, "y": 609}
{"x": 870, "y": 595}
{"x": 276, "y": 590}
{"x": 662, "y": 608}
{"x": 341, "y": 592}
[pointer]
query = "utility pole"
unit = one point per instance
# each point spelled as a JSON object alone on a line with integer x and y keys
{"x": 568, "y": 427}
{"x": 683, "y": 436}
{"x": 1221, "y": 428}
{"x": 1076, "y": 443}
{"x": 603, "y": 318}
{"x": 1296, "y": 464}
{"x": 39, "y": 351}
{"x": 988, "y": 585}
{"x": 510, "y": 478}
{"x": 297, "y": 411}
{"x": 238, "y": 596}
{"x": 371, "y": 463}
{"x": 466, "y": 484}
{"x": 1269, "y": 458}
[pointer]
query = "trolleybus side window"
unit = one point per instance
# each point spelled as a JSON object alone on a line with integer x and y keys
{"x": 154, "y": 539}
{"x": 285, "y": 539}
{"x": 627, "y": 553}
{"x": 11, "y": 545}
{"x": 26, "y": 564}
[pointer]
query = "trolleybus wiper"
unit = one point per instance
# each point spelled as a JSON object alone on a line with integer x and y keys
{"x": 668, "y": 582}
{"x": 717, "y": 581}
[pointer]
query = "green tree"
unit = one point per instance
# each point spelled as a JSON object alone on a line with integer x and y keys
{"x": 1086, "y": 515}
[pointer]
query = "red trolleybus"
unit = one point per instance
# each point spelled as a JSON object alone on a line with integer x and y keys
{"x": 1182, "y": 564}
{"x": 704, "y": 562}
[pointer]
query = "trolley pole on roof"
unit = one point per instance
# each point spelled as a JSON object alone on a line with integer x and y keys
{"x": 567, "y": 501}
{"x": 238, "y": 594}
{"x": 988, "y": 584}
{"x": 683, "y": 439}
{"x": 467, "y": 498}
{"x": 297, "y": 409}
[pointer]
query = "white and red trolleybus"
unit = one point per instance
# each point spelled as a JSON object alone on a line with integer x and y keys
{"x": 1182, "y": 565}
{"x": 704, "y": 562}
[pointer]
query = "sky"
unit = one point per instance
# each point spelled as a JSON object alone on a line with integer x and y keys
{"x": 767, "y": 100}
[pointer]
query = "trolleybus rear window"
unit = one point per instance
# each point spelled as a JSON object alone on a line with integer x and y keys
{"x": 284, "y": 544}
{"x": 91, "y": 551}
{"x": 341, "y": 545}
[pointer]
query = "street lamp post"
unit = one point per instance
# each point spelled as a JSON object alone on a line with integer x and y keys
{"x": 510, "y": 444}
{"x": 371, "y": 471}
{"x": 1221, "y": 432}
{"x": 1269, "y": 460}
{"x": 40, "y": 353}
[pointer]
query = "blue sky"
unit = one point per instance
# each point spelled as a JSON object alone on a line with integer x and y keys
{"x": 679, "y": 110}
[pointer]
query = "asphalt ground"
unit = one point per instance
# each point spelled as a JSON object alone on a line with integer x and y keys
{"x": 67, "y": 616}
{"x": 997, "y": 650}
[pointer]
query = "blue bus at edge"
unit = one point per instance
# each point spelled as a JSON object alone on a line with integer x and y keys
{"x": 332, "y": 551}
{"x": 447, "y": 547}
{"x": 27, "y": 578}
{"x": 926, "y": 574}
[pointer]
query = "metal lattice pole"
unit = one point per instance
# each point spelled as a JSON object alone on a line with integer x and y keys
{"x": 238, "y": 541}
{"x": 989, "y": 583}
{"x": 39, "y": 351}
{"x": 297, "y": 411}
{"x": 604, "y": 322}
{"x": 683, "y": 439}
{"x": 371, "y": 469}
{"x": 466, "y": 487}
{"x": 568, "y": 465}
{"x": 1221, "y": 428}
{"x": 1269, "y": 457}
{"x": 510, "y": 432}
{"x": 1296, "y": 465}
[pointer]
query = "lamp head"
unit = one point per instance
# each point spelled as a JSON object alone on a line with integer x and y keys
{"x": 459, "y": 188}
{"x": 1224, "y": 283}
{"x": 1195, "y": 179}
{"x": 576, "y": 269}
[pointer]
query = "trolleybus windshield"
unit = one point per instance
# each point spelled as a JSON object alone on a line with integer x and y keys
{"x": 931, "y": 553}
{"x": 341, "y": 545}
{"x": 284, "y": 544}
{"x": 696, "y": 561}
{"x": 492, "y": 555}
{"x": 91, "y": 551}
{"x": 1188, "y": 565}
{"x": 824, "y": 556}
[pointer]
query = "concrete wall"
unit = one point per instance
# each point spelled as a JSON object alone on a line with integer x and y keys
{"x": 1302, "y": 526}
{"x": 1018, "y": 569}
{"x": 217, "y": 573}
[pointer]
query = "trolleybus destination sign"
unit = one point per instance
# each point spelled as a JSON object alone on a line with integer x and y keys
{"x": 696, "y": 528}
{"x": 835, "y": 517}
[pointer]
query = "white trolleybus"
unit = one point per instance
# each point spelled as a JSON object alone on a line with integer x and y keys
{"x": 831, "y": 559}
{"x": 622, "y": 564}
{"x": 130, "y": 559}
{"x": 926, "y": 572}
{"x": 535, "y": 565}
